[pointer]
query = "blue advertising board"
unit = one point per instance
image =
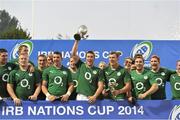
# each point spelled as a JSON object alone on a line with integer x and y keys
{"x": 105, "y": 109}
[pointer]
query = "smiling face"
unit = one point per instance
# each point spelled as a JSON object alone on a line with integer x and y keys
{"x": 72, "y": 63}
{"x": 113, "y": 59}
{"x": 90, "y": 58}
{"x": 139, "y": 63}
{"x": 154, "y": 63}
{"x": 42, "y": 61}
{"x": 3, "y": 58}
{"x": 23, "y": 60}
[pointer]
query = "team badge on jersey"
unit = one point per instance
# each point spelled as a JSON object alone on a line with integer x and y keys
{"x": 145, "y": 77}
{"x": 94, "y": 72}
{"x": 9, "y": 68}
{"x": 17, "y": 74}
{"x": 163, "y": 74}
{"x": 119, "y": 74}
{"x": 64, "y": 72}
{"x": 30, "y": 74}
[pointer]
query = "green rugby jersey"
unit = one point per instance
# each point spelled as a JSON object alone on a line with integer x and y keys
{"x": 141, "y": 82}
{"x": 57, "y": 79}
{"x": 4, "y": 76}
{"x": 24, "y": 82}
{"x": 175, "y": 86}
{"x": 115, "y": 79}
{"x": 88, "y": 79}
{"x": 161, "y": 77}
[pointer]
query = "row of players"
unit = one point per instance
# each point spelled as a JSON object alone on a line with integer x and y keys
{"x": 84, "y": 81}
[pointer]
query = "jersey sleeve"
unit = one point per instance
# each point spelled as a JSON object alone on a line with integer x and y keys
{"x": 37, "y": 76}
{"x": 127, "y": 76}
{"x": 101, "y": 76}
{"x": 45, "y": 75}
{"x": 11, "y": 77}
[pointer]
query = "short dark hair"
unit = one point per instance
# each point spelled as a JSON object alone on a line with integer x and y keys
{"x": 90, "y": 52}
{"x": 155, "y": 56}
{"x": 58, "y": 53}
{"x": 3, "y": 50}
{"x": 113, "y": 52}
{"x": 20, "y": 48}
{"x": 138, "y": 56}
{"x": 42, "y": 55}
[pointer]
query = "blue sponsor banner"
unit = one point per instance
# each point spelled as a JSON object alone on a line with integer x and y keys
{"x": 168, "y": 50}
{"x": 106, "y": 109}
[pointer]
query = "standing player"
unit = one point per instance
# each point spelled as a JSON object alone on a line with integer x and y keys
{"x": 90, "y": 79}
{"x": 74, "y": 73}
{"x": 23, "y": 84}
{"x": 143, "y": 85}
{"x": 161, "y": 75}
{"x": 175, "y": 82}
{"x": 42, "y": 62}
{"x": 117, "y": 79}
{"x": 5, "y": 69}
{"x": 57, "y": 82}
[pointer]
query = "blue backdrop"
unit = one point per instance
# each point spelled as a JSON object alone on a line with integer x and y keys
{"x": 168, "y": 50}
{"x": 83, "y": 110}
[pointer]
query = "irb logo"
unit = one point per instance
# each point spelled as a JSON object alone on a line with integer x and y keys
{"x": 144, "y": 48}
{"x": 175, "y": 113}
{"x": 14, "y": 51}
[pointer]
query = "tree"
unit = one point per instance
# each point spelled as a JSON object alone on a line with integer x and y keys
{"x": 10, "y": 27}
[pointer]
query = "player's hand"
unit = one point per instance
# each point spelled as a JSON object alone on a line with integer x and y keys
{"x": 141, "y": 96}
{"x": 32, "y": 97}
{"x": 65, "y": 98}
{"x": 116, "y": 92}
{"x": 17, "y": 101}
{"x": 51, "y": 98}
{"x": 92, "y": 99}
{"x": 105, "y": 92}
{"x": 31, "y": 68}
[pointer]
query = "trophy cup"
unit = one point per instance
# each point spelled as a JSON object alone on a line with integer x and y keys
{"x": 112, "y": 86}
{"x": 82, "y": 33}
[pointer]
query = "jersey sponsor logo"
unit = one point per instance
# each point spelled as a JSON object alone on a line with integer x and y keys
{"x": 17, "y": 74}
{"x": 119, "y": 74}
{"x": 14, "y": 51}
{"x": 175, "y": 113}
{"x": 163, "y": 74}
{"x": 5, "y": 77}
{"x": 58, "y": 80}
{"x": 144, "y": 48}
{"x": 87, "y": 75}
{"x": 75, "y": 83}
{"x": 159, "y": 82}
{"x": 177, "y": 86}
{"x": 139, "y": 86}
{"x": 24, "y": 83}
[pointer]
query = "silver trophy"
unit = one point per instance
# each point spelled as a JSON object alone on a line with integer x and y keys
{"x": 112, "y": 86}
{"x": 82, "y": 33}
